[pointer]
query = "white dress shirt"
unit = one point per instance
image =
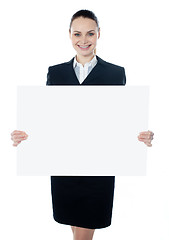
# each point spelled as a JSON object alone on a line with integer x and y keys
{"x": 82, "y": 72}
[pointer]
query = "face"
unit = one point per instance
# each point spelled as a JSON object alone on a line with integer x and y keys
{"x": 84, "y": 34}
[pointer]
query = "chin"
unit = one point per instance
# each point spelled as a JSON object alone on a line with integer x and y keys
{"x": 85, "y": 53}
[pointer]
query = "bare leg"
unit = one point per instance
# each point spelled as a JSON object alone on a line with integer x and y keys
{"x": 83, "y": 233}
{"x": 73, "y": 228}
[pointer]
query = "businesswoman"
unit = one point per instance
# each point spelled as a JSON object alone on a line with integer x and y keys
{"x": 84, "y": 202}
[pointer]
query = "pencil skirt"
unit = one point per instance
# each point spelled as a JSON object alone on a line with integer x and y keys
{"x": 83, "y": 201}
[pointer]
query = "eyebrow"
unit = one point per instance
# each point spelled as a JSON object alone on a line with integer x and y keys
{"x": 88, "y": 31}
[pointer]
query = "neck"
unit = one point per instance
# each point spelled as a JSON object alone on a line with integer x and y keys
{"x": 84, "y": 59}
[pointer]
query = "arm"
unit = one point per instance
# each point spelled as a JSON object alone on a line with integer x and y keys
{"x": 48, "y": 82}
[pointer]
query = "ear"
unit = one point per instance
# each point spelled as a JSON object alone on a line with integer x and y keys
{"x": 99, "y": 33}
{"x": 69, "y": 34}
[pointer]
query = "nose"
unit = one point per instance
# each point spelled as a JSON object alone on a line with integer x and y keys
{"x": 84, "y": 39}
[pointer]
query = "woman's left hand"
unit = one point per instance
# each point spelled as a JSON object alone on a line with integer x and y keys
{"x": 146, "y": 137}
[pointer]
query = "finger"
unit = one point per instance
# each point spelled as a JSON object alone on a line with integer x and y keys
{"x": 17, "y": 132}
{"x": 18, "y": 138}
{"x": 141, "y": 140}
{"x": 146, "y": 141}
{"x": 147, "y": 132}
{"x": 145, "y": 136}
{"x": 20, "y": 134}
{"x": 143, "y": 132}
{"x": 16, "y": 143}
{"x": 149, "y": 144}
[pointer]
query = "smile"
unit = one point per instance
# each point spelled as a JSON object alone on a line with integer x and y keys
{"x": 84, "y": 47}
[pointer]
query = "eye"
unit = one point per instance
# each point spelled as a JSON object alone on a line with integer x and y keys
{"x": 91, "y": 34}
{"x": 77, "y": 34}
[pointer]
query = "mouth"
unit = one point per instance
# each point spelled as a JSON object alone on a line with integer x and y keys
{"x": 84, "y": 47}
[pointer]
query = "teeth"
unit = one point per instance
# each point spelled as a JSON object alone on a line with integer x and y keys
{"x": 84, "y": 47}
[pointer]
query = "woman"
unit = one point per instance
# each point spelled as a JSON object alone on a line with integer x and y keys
{"x": 84, "y": 202}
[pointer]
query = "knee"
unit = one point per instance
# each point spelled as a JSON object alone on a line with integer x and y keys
{"x": 83, "y": 233}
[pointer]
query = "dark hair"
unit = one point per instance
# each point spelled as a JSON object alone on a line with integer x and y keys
{"x": 86, "y": 14}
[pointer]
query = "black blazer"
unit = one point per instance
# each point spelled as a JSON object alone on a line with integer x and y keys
{"x": 103, "y": 73}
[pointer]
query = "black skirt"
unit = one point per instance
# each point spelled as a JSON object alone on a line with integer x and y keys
{"x": 83, "y": 201}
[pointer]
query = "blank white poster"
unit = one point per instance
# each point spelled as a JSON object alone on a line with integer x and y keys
{"x": 82, "y": 130}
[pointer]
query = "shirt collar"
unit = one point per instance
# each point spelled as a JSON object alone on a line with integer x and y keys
{"x": 91, "y": 63}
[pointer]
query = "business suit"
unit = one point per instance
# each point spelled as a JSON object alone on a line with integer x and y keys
{"x": 84, "y": 201}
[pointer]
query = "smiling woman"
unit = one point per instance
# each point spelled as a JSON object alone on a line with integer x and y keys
{"x": 84, "y": 202}
{"x": 84, "y": 33}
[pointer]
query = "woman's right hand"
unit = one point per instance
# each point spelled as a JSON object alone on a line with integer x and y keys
{"x": 18, "y": 136}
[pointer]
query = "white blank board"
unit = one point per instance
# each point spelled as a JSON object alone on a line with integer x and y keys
{"x": 82, "y": 130}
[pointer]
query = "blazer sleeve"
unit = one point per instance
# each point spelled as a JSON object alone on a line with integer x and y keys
{"x": 48, "y": 82}
{"x": 124, "y": 77}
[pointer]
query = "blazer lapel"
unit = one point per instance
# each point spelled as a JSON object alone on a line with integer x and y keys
{"x": 94, "y": 74}
{"x": 71, "y": 75}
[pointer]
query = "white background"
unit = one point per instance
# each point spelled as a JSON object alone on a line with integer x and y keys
{"x": 134, "y": 34}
